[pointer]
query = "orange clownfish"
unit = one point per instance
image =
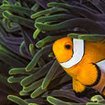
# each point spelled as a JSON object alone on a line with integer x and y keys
{"x": 84, "y": 61}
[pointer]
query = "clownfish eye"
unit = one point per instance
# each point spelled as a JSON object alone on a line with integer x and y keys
{"x": 67, "y": 46}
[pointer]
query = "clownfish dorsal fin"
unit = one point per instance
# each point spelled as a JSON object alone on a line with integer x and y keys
{"x": 78, "y": 52}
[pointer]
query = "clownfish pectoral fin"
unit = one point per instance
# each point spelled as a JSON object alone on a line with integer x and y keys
{"x": 78, "y": 87}
{"x": 89, "y": 75}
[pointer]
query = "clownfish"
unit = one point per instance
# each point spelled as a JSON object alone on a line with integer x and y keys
{"x": 84, "y": 61}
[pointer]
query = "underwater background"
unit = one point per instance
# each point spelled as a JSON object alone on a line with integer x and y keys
{"x": 29, "y": 73}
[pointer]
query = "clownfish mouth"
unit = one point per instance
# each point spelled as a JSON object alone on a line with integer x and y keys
{"x": 78, "y": 52}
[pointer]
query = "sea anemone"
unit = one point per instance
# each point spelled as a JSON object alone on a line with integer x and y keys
{"x": 30, "y": 75}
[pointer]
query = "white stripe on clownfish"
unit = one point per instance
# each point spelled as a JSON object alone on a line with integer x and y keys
{"x": 100, "y": 86}
{"x": 101, "y": 65}
{"x": 78, "y": 52}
